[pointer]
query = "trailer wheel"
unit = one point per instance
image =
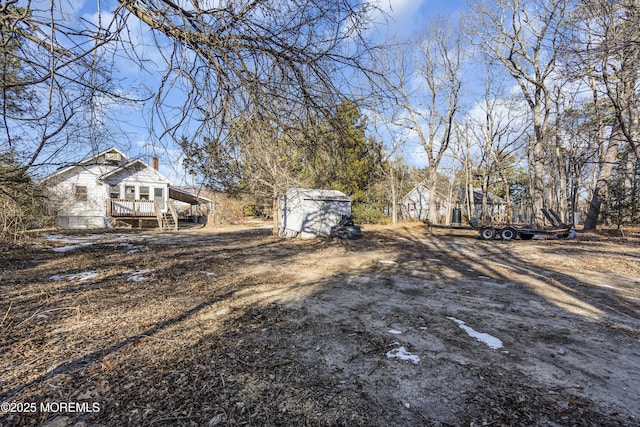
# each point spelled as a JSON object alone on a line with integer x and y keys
{"x": 508, "y": 233}
{"x": 526, "y": 236}
{"x": 487, "y": 232}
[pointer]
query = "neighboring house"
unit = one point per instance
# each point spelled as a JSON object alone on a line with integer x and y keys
{"x": 496, "y": 206}
{"x": 310, "y": 213}
{"x": 109, "y": 187}
{"x": 415, "y": 204}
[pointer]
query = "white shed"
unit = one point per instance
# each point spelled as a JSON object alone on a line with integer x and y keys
{"x": 310, "y": 213}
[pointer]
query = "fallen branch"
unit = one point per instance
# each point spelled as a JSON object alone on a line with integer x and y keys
{"x": 39, "y": 313}
{"x": 6, "y": 314}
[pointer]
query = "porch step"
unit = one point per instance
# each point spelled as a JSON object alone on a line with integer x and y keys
{"x": 167, "y": 222}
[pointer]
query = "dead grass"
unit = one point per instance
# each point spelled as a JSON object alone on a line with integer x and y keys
{"x": 231, "y": 327}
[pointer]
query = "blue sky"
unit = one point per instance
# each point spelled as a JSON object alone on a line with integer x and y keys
{"x": 405, "y": 18}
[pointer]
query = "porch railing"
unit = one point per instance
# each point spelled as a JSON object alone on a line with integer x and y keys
{"x": 131, "y": 208}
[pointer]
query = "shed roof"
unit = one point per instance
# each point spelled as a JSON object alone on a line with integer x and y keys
{"x": 320, "y": 195}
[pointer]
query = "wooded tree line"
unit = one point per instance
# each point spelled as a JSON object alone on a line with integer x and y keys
{"x": 535, "y": 101}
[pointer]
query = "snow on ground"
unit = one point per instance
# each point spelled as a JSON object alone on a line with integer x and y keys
{"x": 71, "y": 247}
{"x": 132, "y": 248}
{"x": 80, "y": 277}
{"x": 394, "y": 331}
{"x": 402, "y": 354}
{"x": 489, "y": 340}
{"x": 138, "y": 275}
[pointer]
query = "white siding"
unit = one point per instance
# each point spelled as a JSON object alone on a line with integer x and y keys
{"x": 81, "y": 214}
{"x": 416, "y": 203}
{"x": 311, "y": 213}
{"x": 138, "y": 176}
{"x": 92, "y": 213}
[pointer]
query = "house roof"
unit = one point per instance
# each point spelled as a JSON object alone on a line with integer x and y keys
{"x": 87, "y": 161}
{"x": 124, "y": 163}
{"x": 492, "y": 199}
{"x": 129, "y": 165}
{"x": 419, "y": 188}
{"x": 187, "y": 196}
{"x": 102, "y": 153}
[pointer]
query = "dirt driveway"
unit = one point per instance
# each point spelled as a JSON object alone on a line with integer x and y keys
{"x": 402, "y": 327}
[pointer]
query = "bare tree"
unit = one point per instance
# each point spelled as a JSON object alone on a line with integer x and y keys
{"x": 288, "y": 60}
{"x": 524, "y": 38}
{"x": 425, "y": 78}
{"x": 55, "y": 81}
{"x": 605, "y": 43}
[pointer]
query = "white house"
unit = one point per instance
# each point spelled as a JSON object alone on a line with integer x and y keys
{"x": 310, "y": 213}
{"x": 415, "y": 204}
{"x": 109, "y": 187}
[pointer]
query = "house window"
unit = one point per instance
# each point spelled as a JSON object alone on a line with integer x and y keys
{"x": 81, "y": 193}
{"x": 144, "y": 193}
{"x": 129, "y": 192}
{"x": 114, "y": 191}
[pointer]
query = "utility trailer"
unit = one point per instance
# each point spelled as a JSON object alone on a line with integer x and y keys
{"x": 511, "y": 232}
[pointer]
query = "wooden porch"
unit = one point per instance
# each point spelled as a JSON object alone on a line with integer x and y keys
{"x": 140, "y": 210}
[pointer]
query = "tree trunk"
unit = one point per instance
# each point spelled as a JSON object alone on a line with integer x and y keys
{"x": 601, "y": 190}
{"x": 433, "y": 202}
{"x": 276, "y": 214}
{"x": 394, "y": 197}
{"x": 485, "y": 193}
{"x": 537, "y": 188}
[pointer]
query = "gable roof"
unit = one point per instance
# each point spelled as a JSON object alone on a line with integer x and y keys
{"x": 492, "y": 198}
{"x": 87, "y": 161}
{"x": 129, "y": 165}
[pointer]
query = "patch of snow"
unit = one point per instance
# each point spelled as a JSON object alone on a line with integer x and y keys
{"x": 210, "y": 273}
{"x": 53, "y": 236}
{"x": 394, "y": 331}
{"x": 402, "y": 354}
{"x": 80, "y": 277}
{"x": 386, "y": 261}
{"x": 71, "y": 247}
{"x": 489, "y": 340}
{"x": 139, "y": 249}
{"x": 138, "y": 275}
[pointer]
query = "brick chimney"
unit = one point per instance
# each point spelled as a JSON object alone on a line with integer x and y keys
{"x": 155, "y": 163}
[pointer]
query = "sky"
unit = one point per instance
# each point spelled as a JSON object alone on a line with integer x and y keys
{"x": 405, "y": 18}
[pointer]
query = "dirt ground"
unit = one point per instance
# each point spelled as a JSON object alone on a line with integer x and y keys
{"x": 405, "y": 326}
